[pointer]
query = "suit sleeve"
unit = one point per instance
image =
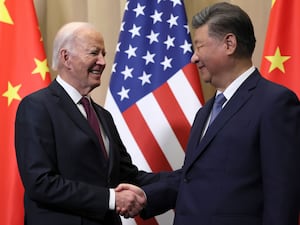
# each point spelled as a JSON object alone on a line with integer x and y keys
{"x": 280, "y": 159}
{"x": 161, "y": 195}
{"x": 36, "y": 156}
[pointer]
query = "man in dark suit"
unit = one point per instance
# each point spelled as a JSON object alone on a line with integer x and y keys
{"x": 68, "y": 171}
{"x": 242, "y": 168}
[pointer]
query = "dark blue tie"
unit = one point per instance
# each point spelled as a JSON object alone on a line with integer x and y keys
{"x": 217, "y": 107}
{"x": 93, "y": 121}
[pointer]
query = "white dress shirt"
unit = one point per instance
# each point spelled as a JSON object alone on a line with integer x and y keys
{"x": 76, "y": 97}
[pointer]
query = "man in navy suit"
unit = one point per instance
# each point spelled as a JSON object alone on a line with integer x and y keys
{"x": 243, "y": 168}
{"x": 69, "y": 173}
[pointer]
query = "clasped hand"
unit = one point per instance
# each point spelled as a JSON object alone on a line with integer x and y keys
{"x": 130, "y": 200}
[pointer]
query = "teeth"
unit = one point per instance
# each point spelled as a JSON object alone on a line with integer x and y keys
{"x": 95, "y": 72}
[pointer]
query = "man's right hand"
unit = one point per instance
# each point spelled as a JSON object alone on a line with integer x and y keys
{"x": 130, "y": 200}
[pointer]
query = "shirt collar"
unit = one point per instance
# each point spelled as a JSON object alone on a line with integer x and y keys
{"x": 72, "y": 92}
{"x": 232, "y": 88}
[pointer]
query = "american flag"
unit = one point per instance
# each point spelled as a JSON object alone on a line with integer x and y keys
{"x": 154, "y": 90}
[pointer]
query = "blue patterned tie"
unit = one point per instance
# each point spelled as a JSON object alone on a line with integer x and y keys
{"x": 217, "y": 107}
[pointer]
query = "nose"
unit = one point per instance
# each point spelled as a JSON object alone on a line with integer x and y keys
{"x": 101, "y": 59}
{"x": 194, "y": 58}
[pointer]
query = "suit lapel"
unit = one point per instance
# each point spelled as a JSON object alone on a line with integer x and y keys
{"x": 237, "y": 101}
{"x": 196, "y": 132}
{"x": 67, "y": 105}
{"x": 103, "y": 120}
{"x": 199, "y": 125}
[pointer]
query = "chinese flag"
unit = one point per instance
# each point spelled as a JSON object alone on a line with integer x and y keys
{"x": 23, "y": 69}
{"x": 281, "y": 55}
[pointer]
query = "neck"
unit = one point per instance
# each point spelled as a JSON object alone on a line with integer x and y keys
{"x": 234, "y": 71}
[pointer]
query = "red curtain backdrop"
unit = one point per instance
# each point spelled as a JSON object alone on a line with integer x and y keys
{"x": 23, "y": 69}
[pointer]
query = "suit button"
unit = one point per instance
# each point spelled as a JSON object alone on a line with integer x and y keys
{"x": 108, "y": 181}
{"x": 185, "y": 180}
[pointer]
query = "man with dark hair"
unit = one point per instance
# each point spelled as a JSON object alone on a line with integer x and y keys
{"x": 242, "y": 160}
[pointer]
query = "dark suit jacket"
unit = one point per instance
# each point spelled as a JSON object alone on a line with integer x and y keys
{"x": 65, "y": 175}
{"x": 245, "y": 170}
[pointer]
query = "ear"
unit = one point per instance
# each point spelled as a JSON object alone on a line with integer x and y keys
{"x": 230, "y": 43}
{"x": 65, "y": 57}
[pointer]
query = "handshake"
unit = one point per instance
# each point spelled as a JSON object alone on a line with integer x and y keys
{"x": 130, "y": 200}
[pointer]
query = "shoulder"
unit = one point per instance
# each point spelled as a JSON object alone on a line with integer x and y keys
{"x": 272, "y": 90}
{"x": 38, "y": 96}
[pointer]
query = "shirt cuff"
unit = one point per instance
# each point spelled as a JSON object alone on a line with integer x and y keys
{"x": 112, "y": 199}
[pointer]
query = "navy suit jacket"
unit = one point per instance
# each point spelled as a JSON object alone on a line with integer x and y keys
{"x": 65, "y": 175}
{"x": 245, "y": 169}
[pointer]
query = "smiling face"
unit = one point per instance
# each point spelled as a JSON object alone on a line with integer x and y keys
{"x": 210, "y": 54}
{"x": 84, "y": 62}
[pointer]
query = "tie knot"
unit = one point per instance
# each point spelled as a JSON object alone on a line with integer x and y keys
{"x": 86, "y": 105}
{"x": 220, "y": 99}
{"x": 85, "y": 101}
{"x": 217, "y": 106}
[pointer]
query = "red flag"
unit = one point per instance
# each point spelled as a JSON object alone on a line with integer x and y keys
{"x": 154, "y": 90}
{"x": 281, "y": 55}
{"x": 23, "y": 69}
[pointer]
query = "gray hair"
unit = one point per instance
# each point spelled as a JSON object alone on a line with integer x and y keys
{"x": 64, "y": 39}
{"x": 223, "y": 18}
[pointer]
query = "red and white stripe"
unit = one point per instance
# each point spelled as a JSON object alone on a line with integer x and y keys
{"x": 155, "y": 130}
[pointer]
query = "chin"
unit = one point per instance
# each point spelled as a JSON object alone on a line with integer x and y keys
{"x": 95, "y": 81}
{"x": 93, "y": 85}
{"x": 97, "y": 85}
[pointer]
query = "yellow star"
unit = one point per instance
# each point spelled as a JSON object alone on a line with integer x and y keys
{"x": 12, "y": 93}
{"x": 41, "y": 67}
{"x": 277, "y": 61}
{"x": 273, "y": 2}
{"x": 4, "y": 15}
